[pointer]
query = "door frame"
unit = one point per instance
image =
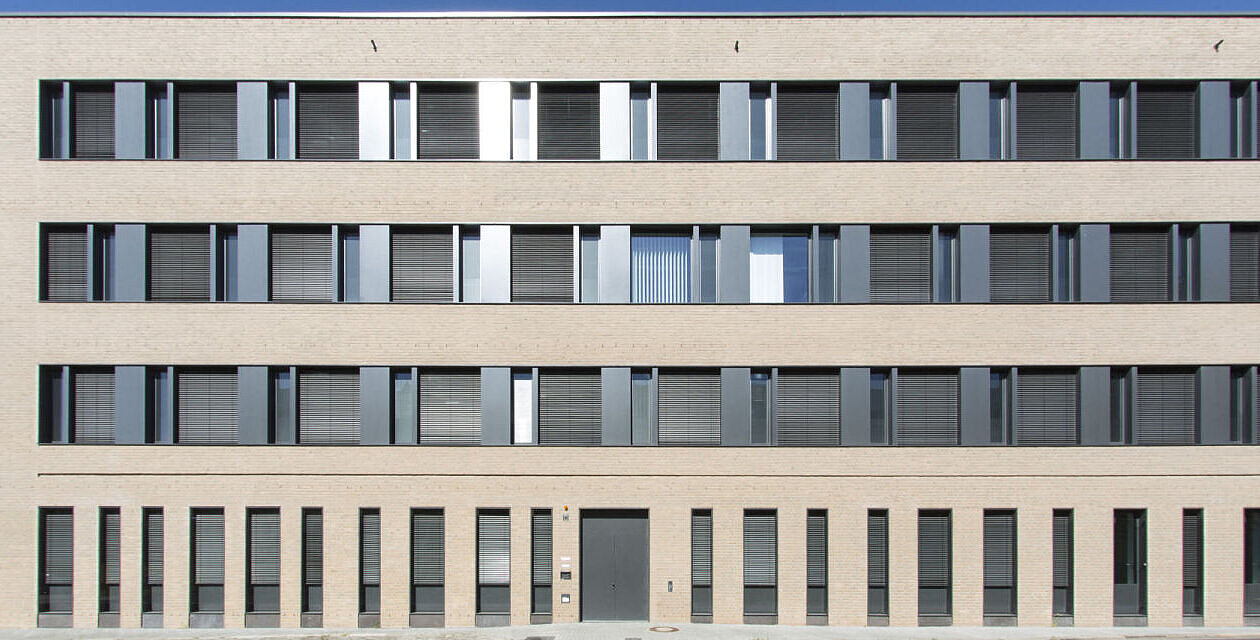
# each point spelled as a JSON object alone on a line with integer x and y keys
{"x": 647, "y": 555}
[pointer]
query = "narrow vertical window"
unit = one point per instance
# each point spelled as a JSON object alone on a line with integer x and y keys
{"x": 761, "y": 566}
{"x": 709, "y": 243}
{"x": 1192, "y": 563}
{"x": 1241, "y": 405}
{"x": 1187, "y": 273}
{"x": 877, "y": 565}
{"x": 161, "y": 427}
{"x": 206, "y": 599}
{"x": 1119, "y": 106}
{"x": 54, "y": 402}
{"x": 523, "y": 407}
{"x": 494, "y": 561}
{"x": 1063, "y": 564}
{"x": 521, "y": 98}
{"x": 935, "y": 567}
{"x": 428, "y": 566}
{"x": 152, "y": 561}
{"x": 104, "y": 267}
{"x": 701, "y": 565}
{"x": 1242, "y": 121}
{"x": 400, "y": 113}
{"x": 759, "y": 105}
{"x": 281, "y": 122}
{"x": 284, "y": 425}
{"x": 879, "y": 407}
{"x": 262, "y": 560}
{"x": 404, "y": 404}
{"x": 945, "y": 271}
{"x": 1129, "y": 596}
{"x": 56, "y": 566}
{"x": 540, "y": 562}
{"x": 349, "y": 264}
{"x": 761, "y": 404}
{"x": 640, "y": 107}
{"x": 816, "y": 563}
{"x": 54, "y": 140}
{"x": 228, "y": 266}
{"x": 1251, "y": 563}
{"x": 999, "y": 566}
{"x": 470, "y": 266}
{"x": 109, "y": 587}
{"x": 878, "y": 114}
{"x": 641, "y": 418}
{"x": 589, "y": 257}
{"x": 369, "y": 562}
{"x": 999, "y": 121}
{"x": 1067, "y": 265}
{"x": 999, "y": 406}
{"x": 312, "y": 563}
{"x": 1121, "y": 402}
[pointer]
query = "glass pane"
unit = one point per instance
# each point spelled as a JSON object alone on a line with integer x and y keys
{"x": 283, "y": 407}
{"x": 590, "y": 268}
{"x": 640, "y": 96}
{"x": 766, "y": 277}
{"x": 105, "y": 264}
{"x": 826, "y": 267}
{"x": 758, "y": 100}
{"x": 641, "y": 406}
{"x": 708, "y": 267}
{"x": 404, "y": 403}
{"x": 162, "y": 429}
{"x": 878, "y": 98}
{"x": 1251, "y": 546}
{"x": 470, "y": 267}
{"x": 280, "y": 115}
{"x": 660, "y": 268}
{"x": 944, "y": 277}
{"x": 522, "y": 408}
{"x": 879, "y": 404}
{"x": 350, "y": 266}
{"x": 997, "y": 117}
{"x": 229, "y": 270}
{"x": 997, "y": 407}
{"x": 1119, "y": 407}
{"x": 1066, "y": 260}
{"x": 56, "y": 392}
{"x": 760, "y": 408}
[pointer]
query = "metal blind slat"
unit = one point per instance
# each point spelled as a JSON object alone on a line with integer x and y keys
{"x": 1192, "y": 548}
{"x": 1047, "y": 411}
{"x": 155, "y": 550}
{"x": 877, "y": 549}
{"x": 689, "y": 409}
{"x": 1167, "y": 122}
{"x": 493, "y": 547}
{"x": 207, "y": 547}
{"x": 111, "y": 546}
{"x": 687, "y": 122}
{"x": 428, "y": 547}
{"x": 370, "y": 546}
{"x": 58, "y": 546}
{"x": 934, "y": 569}
{"x": 93, "y": 406}
{"x": 808, "y": 409}
{"x": 1019, "y": 264}
{"x": 568, "y": 121}
{"x": 816, "y": 550}
{"x": 1244, "y": 263}
{"x": 301, "y": 266}
{"x": 542, "y": 267}
{"x": 1047, "y": 120}
{"x": 1166, "y": 402}
{"x": 208, "y": 408}
{"x": 927, "y": 408}
{"x": 927, "y": 122}
{"x": 701, "y": 548}
{"x": 901, "y": 265}
{"x": 760, "y": 549}
{"x": 179, "y": 265}
{"x": 541, "y": 547}
{"x": 312, "y": 547}
{"x": 448, "y": 125}
{"x": 93, "y": 121}
{"x": 328, "y": 122}
{"x": 660, "y": 268}
{"x": 569, "y": 408}
{"x": 264, "y": 546}
{"x": 328, "y": 407}
{"x": 807, "y": 119}
{"x": 1140, "y": 264}
{"x": 450, "y": 408}
{"x": 205, "y": 122}
{"x": 1062, "y": 550}
{"x": 66, "y": 266}
{"x": 999, "y": 549}
{"x": 421, "y": 265}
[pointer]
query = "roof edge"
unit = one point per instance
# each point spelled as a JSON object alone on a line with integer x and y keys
{"x": 629, "y": 14}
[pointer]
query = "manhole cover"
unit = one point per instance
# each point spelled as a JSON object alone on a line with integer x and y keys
{"x": 663, "y": 629}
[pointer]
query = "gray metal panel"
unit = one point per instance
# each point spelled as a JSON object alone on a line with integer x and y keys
{"x": 855, "y": 261}
{"x": 376, "y": 396}
{"x": 253, "y": 397}
{"x": 130, "y": 257}
{"x": 1214, "y": 119}
{"x": 614, "y": 263}
{"x": 1214, "y": 405}
{"x": 973, "y": 249}
{"x": 614, "y": 580}
{"x": 374, "y": 263}
{"x": 1095, "y": 406}
{"x": 973, "y": 120}
{"x": 1214, "y": 262}
{"x": 1095, "y": 262}
{"x": 615, "y": 403}
{"x": 855, "y": 406}
{"x": 496, "y": 263}
{"x": 736, "y": 406}
{"x": 130, "y": 123}
{"x": 496, "y": 405}
{"x": 855, "y": 121}
{"x": 974, "y": 409}
{"x": 733, "y": 263}
{"x": 252, "y": 121}
{"x": 253, "y": 259}
{"x": 129, "y": 405}
{"x": 733, "y": 120}
{"x": 1095, "y": 120}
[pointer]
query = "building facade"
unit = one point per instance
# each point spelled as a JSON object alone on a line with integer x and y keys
{"x": 428, "y": 320}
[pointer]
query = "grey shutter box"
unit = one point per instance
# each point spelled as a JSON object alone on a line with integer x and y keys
{"x": 1047, "y": 408}
{"x": 927, "y": 122}
{"x": 1191, "y": 548}
{"x": 1095, "y": 262}
{"x": 999, "y": 549}
{"x": 1166, "y": 402}
{"x": 155, "y": 551}
{"x": 208, "y": 406}
{"x": 1047, "y": 120}
{"x": 540, "y": 546}
{"x": 450, "y": 408}
{"x": 58, "y": 546}
{"x": 328, "y": 121}
{"x": 901, "y": 265}
{"x": 205, "y": 121}
{"x": 370, "y": 546}
{"x": 207, "y": 547}
{"x": 328, "y": 411}
{"x": 808, "y": 409}
{"x": 179, "y": 265}
{"x": 312, "y": 547}
{"x": 760, "y": 548}
{"x": 1062, "y": 549}
{"x": 493, "y": 547}
{"x": 93, "y": 395}
{"x": 448, "y": 121}
{"x": 816, "y": 549}
{"x": 877, "y": 549}
{"x": 807, "y": 117}
{"x": 93, "y": 109}
{"x": 422, "y": 265}
{"x": 428, "y": 547}
{"x": 1019, "y": 268}
{"x": 568, "y": 121}
{"x": 702, "y": 548}
{"x": 264, "y": 546}
{"x": 110, "y": 546}
{"x": 302, "y": 265}
{"x": 1167, "y": 122}
{"x": 1244, "y": 263}
{"x": 934, "y": 553}
{"x": 1140, "y": 264}
{"x": 689, "y": 409}
{"x": 927, "y": 408}
{"x": 542, "y": 266}
{"x": 687, "y": 121}
{"x": 65, "y": 264}
{"x": 569, "y": 408}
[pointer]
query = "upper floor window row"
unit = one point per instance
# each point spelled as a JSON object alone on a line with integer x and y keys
{"x": 707, "y": 121}
{"x": 972, "y": 263}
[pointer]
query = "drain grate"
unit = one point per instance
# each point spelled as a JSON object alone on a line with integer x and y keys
{"x": 540, "y": 638}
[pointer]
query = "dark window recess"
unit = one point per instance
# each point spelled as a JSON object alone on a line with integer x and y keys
{"x": 689, "y": 408}
{"x": 205, "y": 122}
{"x": 1129, "y": 595}
{"x": 877, "y": 562}
{"x": 1019, "y": 264}
{"x": 808, "y": 409}
{"x": 428, "y": 561}
{"x": 687, "y": 121}
{"x": 1140, "y": 264}
{"x": 56, "y": 560}
{"x": 1251, "y": 562}
{"x": 807, "y": 121}
{"x": 542, "y": 266}
{"x": 1046, "y": 411}
{"x": 1167, "y": 121}
{"x": 207, "y": 561}
{"x": 65, "y": 263}
{"x": 369, "y": 561}
{"x": 927, "y": 408}
{"x": 901, "y": 265}
{"x": 312, "y": 560}
{"x": 760, "y": 562}
{"x": 1166, "y": 406}
{"x": 422, "y": 265}
{"x": 568, "y": 121}
{"x": 927, "y": 122}
{"x": 1046, "y": 118}
{"x": 1192, "y": 562}
{"x": 207, "y": 406}
{"x": 152, "y": 560}
{"x": 540, "y": 560}
{"x": 448, "y": 125}
{"x": 569, "y": 408}
{"x": 92, "y": 117}
{"x": 328, "y": 406}
{"x": 1244, "y": 263}
{"x": 302, "y": 265}
{"x": 935, "y": 564}
{"x": 179, "y": 264}
{"x": 262, "y": 546}
{"x": 450, "y": 407}
{"x": 816, "y": 562}
{"x": 1241, "y": 404}
{"x": 110, "y": 560}
{"x": 1062, "y": 562}
{"x": 701, "y": 562}
{"x": 328, "y": 121}
{"x": 999, "y": 563}
{"x": 494, "y": 560}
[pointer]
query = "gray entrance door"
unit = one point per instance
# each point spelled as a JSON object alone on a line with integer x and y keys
{"x": 614, "y": 564}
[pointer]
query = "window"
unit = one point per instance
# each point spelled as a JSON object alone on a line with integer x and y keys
{"x": 880, "y": 105}
{"x": 92, "y": 397}
{"x": 301, "y": 264}
{"x": 1244, "y": 263}
{"x": 450, "y": 407}
{"x": 92, "y": 121}
{"x": 760, "y": 562}
{"x": 152, "y": 559}
{"x": 282, "y": 116}
{"x": 1167, "y": 401}
{"x": 349, "y": 281}
{"x": 448, "y": 121}
{"x": 206, "y": 121}
{"x": 540, "y": 556}
{"x": 1120, "y": 110}
{"x": 687, "y": 121}
{"x": 877, "y": 563}
{"x": 1130, "y": 562}
{"x": 1067, "y": 279}
{"x": 999, "y": 121}
{"x": 660, "y": 268}
{"x": 689, "y": 408}
{"x": 1241, "y": 404}
{"x": 778, "y": 269}
{"x": 493, "y": 561}
{"x": 262, "y": 559}
{"x": 1251, "y": 562}
{"x": 428, "y": 561}
{"x": 825, "y": 268}
{"x": 208, "y": 408}
{"x": 160, "y": 425}
{"x": 1167, "y": 121}
{"x": 761, "y": 403}
{"x": 1047, "y": 118}
{"x": 709, "y": 245}
{"x": 327, "y": 121}
{"x": 207, "y": 561}
{"x": 701, "y": 562}
{"x": 369, "y": 560}
{"x": 524, "y": 407}
{"x": 542, "y": 265}
{"x": 1019, "y": 264}
{"x": 807, "y": 121}
{"x": 927, "y": 122}
{"x": 284, "y": 407}
{"x": 56, "y": 560}
{"x": 109, "y": 587}
{"x": 816, "y": 562}
{"x": 1141, "y": 264}
{"x": 103, "y": 248}
{"x": 328, "y": 411}
{"x": 470, "y": 266}
{"x": 65, "y": 263}
{"x": 999, "y": 562}
{"x": 807, "y": 408}
{"x": 999, "y": 405}
{"x": 761, "y": 111}
{"x": 927, "y": 408}
{"x": 568, "y": 121}
{"x": 935, "y": 564}
{"x": 1121, "y": 405}
{"x": 227, "y": 265}
{"x": 1242, "y": 125}
{"x": 589, "y": 260}
{"x": 569, "y": 408}
{"x": 312, "y": 560}
{"x": 160, "y": 139}
{"x": 640, "y": 106}
{"x": 880, "y": 398}
{"x": 54, "y": 114}
{"x": 1047, "y": 407}
{"x": 1192, "y": 562}
{"x": 642, "y": 420}
{"x": 1062, "y": 562}
{"x": 421, "y": 264}
{"x": 523, "y": 128}
{"x": 946, "y": 265}
{"x": 1187, "y": 263}
{"x": 901, "y": 265}
{"x": 400, "y": 111}
{"x": 405, "y": 396}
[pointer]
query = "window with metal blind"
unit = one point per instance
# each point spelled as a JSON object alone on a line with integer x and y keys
{"x": 540, "y": 560}
{"x": 1140, "y": 264}
{"x": 569, "y": 408}
{"x": 1047, "y": 408}
{"x": 568, "y": 121}
{"x": 807, "y": 116}
{"x": 687, "y": 121}
{"x": 660, "y": 268}
{"x": 205, "y": 121}
{"x": 93, "y": 397}
{"x": 152, "y": 559}
{"x": 927, "y": 122}
{"x": 262, "y": 560}
{"x": 494, "y": 561}
{"x": 935, "y": 564}
{"x": 808, "y": 408}
{"x": 1062, "y": 562}
{"x": 110, "y": 559}
{"x": 327, "y": 121}
{"x": 877, "y": 562}
{"x": 901, "y": 265}
{"x": 542, "y": 266}
{"x": 689, "y": 408}
{"x": 179, "y": 264}
{"x": 1167, "y": 400}
{"x": 450, "y": 407}
{"x": 328, "y": 406}
{"x": 369, "y": 560}
{"x": 312, "y": 560}
{"x": 1047, "y": 118}
{"x": 1244, "y": 263}
{"x": 428, "y": 561}
{"x": 816, "y": 562}
{"x": 447, "y": 121}
{"x": 1251, "y": 562}
{"x": 1192, "y": 562}
{"x": 1019, "y": 264}
{"x": 422, "y": 264}
{"x": 701, "y": 562}
{"x": 65, "y": 263}
{"x": 999, "y": 562}
{"x": 207, "y": 561}
{"x": 208, "y": 409}
{"x": 761, "y": 568}
{"x": 302, "y": 265}
{"x": 92, "y": 117}
{"x": 1167, "y": 121}
{"x": 56, "y": 560}
{"x": 927, "y": 408}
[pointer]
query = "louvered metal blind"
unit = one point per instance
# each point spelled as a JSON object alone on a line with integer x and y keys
{"x": 205, "y": 122}
{"x": 1167, "y": 122}
{"x": 568, "y": 121}
{"x": 448, "y": 125}
{"x": 569, "y": 408}
{"x": 301, "y": 265}
{"x": 1019, "y": 264}
{"x": 901, "y": 265}
{"x": 58, "y": 542}
{"x": 816, "y": 549}
{"x": 1166, "y": 403}
{"x": 207, "y": 547}
{"x": 540, "y": 548}
{"x": 65, "y": 267}
{"x": 428, "y": 547}
{"x": 264, "y": 546}
{"x": 421, "y": 265}
{"x": 1062, "y": 549}
{"x": 93, "y": 406}
{"x": 660, "y": 268}
{"x": 999, "y": 549}
{"x": 312, "y": 547}
{"x": 1046, "y": 118}
{"x": 328, "y": 411}
{"x": 1192, "y": 548}
{"x": 1244, "y": 263}
{"x": 927, "y": 122}
{"x": 760, "y": 548}
{"x": 927, "y": 408}
{"x": 450, "y": 408}
{"x": 179, "y": 265}
{"x": 1047, "y": 408}
{"x": 154, "y": 549}
{"x": 689, "y": 409}
{"x": 542, "y": 266}
{"x": 493, "y": 547}
{"x": 934, "y": 569}
{"x": 208, "y": 408}
{"x": 93, "y": 121}
{"x": 877, "y": 549}
{"x": 370, "y": 547}
{"x": 328, "y": 122}
{"x": 702, "y": 548}
{"x": 808, "y": 406}
{"x": 111, "y": 546}
{"x": 807, "y": 119}
{"x": 1140, "y": 264}
{"x": 687, "y": 122}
